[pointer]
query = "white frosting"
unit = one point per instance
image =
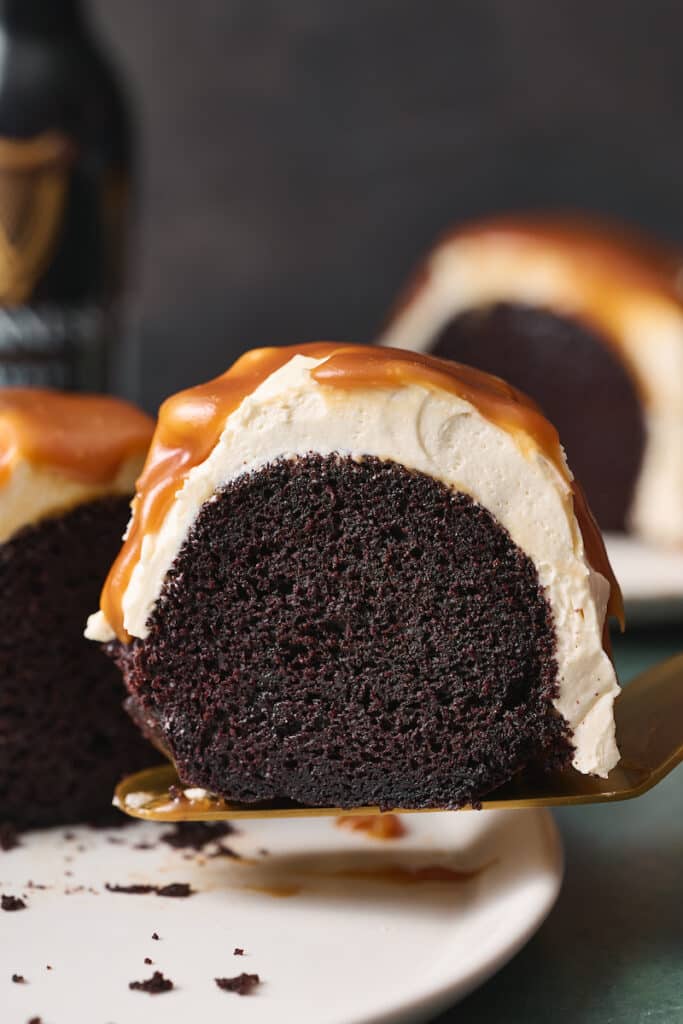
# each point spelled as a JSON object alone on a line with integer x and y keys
{"x": 470, "y": 272}
{"x": 446, "y": 438}
{"x": 34, "y": 492}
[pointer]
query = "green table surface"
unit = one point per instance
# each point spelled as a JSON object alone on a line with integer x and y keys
{"x": 611, "y": 951}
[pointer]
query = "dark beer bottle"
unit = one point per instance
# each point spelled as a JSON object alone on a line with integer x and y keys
{"x": 64, "y": 189}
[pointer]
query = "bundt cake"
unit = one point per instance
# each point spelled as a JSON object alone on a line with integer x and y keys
{"x": 357, "y": 575}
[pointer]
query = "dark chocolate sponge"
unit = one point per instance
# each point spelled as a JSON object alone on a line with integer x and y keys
{"x": 64, "y": 738}
{"x": 342, "y": 633}
{"x": 580, "y": 384}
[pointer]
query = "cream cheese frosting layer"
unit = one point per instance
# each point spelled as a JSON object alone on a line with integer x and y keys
{"x": 60, "y": 449}
{"x": 444, "y": 436}
{"x": 632, "y": 295}
{"x": 35, "y": 492}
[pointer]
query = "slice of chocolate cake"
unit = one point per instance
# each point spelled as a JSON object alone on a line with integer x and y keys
{"x": 68, "y": 465}
{"x": 588, "y": 320}
{"x": 361, "y": 576}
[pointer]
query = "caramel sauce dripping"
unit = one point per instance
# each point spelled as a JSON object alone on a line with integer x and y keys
{"x": 85, "y": 437}
{"x": 191, "y": 422}
{"x": 376, "y": 826}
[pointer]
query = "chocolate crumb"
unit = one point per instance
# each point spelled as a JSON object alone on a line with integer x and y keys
{"x": 18, "y": 979}
{"x": 237, "y": 951}
{"x": 36, "y": 1020}
{"x": 154, "y": 985}
{"x": 242, "y": 984}
{"x": 136, "y": 890}
{"x": 176, "y": 889}
{"x": 48, "y": 967}
{"x": 143, "y": 846}
{"x": 12, "y": 903}
{"x": 148, "y": 960}
{"x": 195, "y": 835}
{"x": 69, "y": 836}
{"x": 225, "y": 851}
{"x": 9, "y": 837}
{"x": 155, "y": 936}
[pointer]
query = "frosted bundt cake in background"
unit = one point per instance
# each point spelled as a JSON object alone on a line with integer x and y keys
{"x": 358, "y": 576}
{"x": 68, "y": 465}
{"x": 588, "y": 320}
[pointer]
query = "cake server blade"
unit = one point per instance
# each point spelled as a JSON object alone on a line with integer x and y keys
{"x": 649, "y": 717}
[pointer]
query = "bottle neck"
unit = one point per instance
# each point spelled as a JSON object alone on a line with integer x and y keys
{"x": 41, "y": 17}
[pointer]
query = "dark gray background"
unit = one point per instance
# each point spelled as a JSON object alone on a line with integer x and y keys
{"x": 297, "y": 158}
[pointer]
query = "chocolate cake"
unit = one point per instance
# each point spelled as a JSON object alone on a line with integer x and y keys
{"x": 588, "y": 320}
{"x": 361, "y": 576}
{"x": 67, "y": 468}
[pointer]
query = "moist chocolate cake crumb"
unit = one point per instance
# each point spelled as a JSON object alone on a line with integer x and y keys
{"x": 12, "y": 903}
{"x": 237, "y": 951}
{"x": 154, "y": 985}
{"x": 59, "y": 695}
{"x": 340, "y": 633}
{"x": 178, "y": 890}
{"x": 195, "y": 835}
{"x": 242, "y": 984}
{"x": 9, "y": 837}
{"x": 148, "y": 960}
{"x": 136, "y": 890}
{"x": 155, "y": 936}
{"x": 36, "y": 1020}
{"x": 18, "y": 979}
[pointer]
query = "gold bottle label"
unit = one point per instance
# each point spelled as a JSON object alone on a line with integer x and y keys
{"x": 33, "y": 185}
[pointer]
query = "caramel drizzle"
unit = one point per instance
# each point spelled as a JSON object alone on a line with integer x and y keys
{"x": 191, "y": 423}
{"x": 85, "y": 437}
{"x": 604, "y": 255}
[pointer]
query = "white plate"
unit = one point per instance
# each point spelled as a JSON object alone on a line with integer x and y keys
{"x": 339, "y": 950}
{"x": 651, "y": 578}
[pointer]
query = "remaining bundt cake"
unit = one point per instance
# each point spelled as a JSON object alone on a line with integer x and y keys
{"x": 588, "y": 320}
{"x": 358, "y": 576}
{"x": 68, "y": 464}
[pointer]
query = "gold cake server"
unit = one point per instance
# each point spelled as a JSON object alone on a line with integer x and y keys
{"x": 649, "y": 717}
